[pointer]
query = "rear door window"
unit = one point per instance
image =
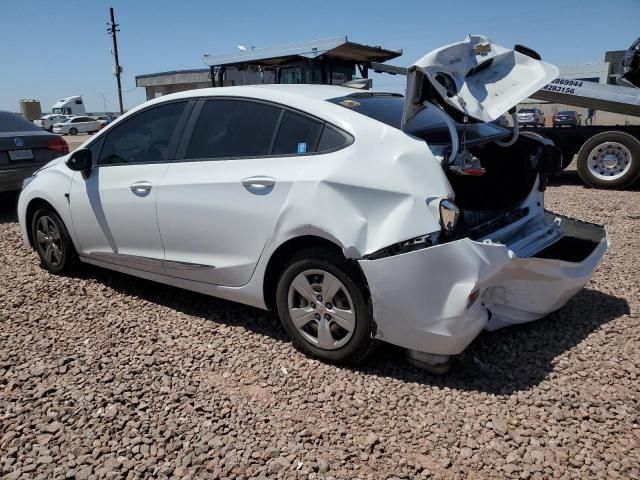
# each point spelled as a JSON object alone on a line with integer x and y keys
{"x": 297, "y": 135}
{"x": 229, "y": 128}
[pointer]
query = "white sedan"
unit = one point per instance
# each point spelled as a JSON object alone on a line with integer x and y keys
{"x": 357, "y": 215}
{"x": 76, "y": 125}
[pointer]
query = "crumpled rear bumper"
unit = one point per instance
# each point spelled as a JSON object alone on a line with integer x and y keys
{"x": 421, "y": 299}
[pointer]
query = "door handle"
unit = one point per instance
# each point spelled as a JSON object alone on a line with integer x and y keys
{"x": 140, "y": 188}
{"x": 259, "y": 185}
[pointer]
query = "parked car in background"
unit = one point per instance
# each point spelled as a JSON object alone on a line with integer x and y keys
{"x": 569, "y": 117}
{"x": 530, "y": 117}
{"x": 105, "y": 120}
{"x": 76, "y": 125}
{"x": 48, "y": 121}
{"x": 24, "y": 148}
{"x": 356, "y": 215}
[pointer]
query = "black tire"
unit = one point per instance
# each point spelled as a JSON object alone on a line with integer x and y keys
{"x": 50, "y": 129}
{"x": 361, "y": 343}
{"x": 73, "y": 131}
{"x": 621, "y": 181}
{"x": 66, "y": 260}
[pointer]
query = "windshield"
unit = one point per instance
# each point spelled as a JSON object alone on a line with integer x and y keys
{"x": 428, "y": 125}
{"x": 56, "y": 110}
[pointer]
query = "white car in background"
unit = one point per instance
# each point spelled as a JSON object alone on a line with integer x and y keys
{"x": 76, "y": 125}
{"x": 356, "y": 215}
{"x": 48, "y": 121}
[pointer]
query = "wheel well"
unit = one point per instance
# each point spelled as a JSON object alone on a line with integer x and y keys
{"x": 33, "y": 206}
{"x": 281, "y": 256}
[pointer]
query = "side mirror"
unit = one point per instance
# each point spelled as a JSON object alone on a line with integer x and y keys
{"x": 80, "y": 160}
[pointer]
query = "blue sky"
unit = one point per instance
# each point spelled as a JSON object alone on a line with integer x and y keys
{"x": 51, "y": 49}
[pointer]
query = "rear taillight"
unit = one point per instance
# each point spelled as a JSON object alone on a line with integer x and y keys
{"x": 58, "y": 144}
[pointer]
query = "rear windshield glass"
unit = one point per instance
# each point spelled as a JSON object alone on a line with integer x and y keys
{"x": 12, "y": 122}
{"x": 428, "y": 125}
{"x": 526, "y": 110}
{"x": 567, "y": 113}
{"x": 386, "y": 108}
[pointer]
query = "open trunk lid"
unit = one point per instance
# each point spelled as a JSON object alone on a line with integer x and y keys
{"x": 475, "y": 78}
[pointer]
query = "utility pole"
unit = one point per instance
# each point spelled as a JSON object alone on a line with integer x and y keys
{"x": 113, "y": 28}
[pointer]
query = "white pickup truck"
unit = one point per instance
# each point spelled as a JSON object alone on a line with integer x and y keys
{"x": 48, "y": 121}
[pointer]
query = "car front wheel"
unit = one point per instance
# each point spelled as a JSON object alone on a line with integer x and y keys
{"x": 73, "y": 131}
{"x": 325, "y": 307}
{"x": 52, "y": 242}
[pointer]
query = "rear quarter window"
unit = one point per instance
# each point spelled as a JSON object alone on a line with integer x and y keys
{"x": 297, "y": 134}
{"x": 331, "y": 140}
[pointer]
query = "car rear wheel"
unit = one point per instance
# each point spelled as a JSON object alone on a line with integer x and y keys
{"x": 610, "y": 160}
{"x": 73, "y": 131}
{"x": 325, "y": 307}
{"x": 52, "y": 242}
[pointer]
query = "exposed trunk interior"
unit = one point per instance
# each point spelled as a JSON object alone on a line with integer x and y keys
{"x": 510, "y": 174}
{"x": 509, "y": 177}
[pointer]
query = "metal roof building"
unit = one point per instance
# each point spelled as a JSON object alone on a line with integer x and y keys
{"x": 326, "y": 61}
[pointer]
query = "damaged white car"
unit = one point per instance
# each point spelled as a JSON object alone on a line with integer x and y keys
{"x": 357, "y": 215}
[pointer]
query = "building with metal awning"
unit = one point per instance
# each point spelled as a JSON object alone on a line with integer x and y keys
{"x": 327, "y": 61}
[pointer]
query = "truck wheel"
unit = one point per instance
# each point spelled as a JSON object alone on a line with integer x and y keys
{"x": 609, "y": 160}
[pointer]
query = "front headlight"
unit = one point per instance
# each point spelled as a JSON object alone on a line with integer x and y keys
{"x": 27, "y": 181}
{"x": 449, "y": 214}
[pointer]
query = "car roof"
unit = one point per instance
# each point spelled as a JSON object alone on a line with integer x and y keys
{"x": 318, "y": 92}
{"x": 307, "y": 98}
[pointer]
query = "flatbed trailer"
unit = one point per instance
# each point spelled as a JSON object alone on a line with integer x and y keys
{"x": 608, "y": 156}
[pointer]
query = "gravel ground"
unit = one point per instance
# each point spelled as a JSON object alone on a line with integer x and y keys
{"x": 74, "y": 141}
{"x": 106, "y": 376}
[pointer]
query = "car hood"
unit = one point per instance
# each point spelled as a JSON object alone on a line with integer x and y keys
{"x": 476, "y": 78}
{"x": 52, "y": 163}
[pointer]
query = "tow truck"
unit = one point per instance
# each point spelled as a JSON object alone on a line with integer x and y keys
{"x": 608, "y": 156}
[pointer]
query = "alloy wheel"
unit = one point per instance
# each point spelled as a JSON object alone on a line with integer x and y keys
{"x": 49, "y": 241}
{"x": 321, "y": 309}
